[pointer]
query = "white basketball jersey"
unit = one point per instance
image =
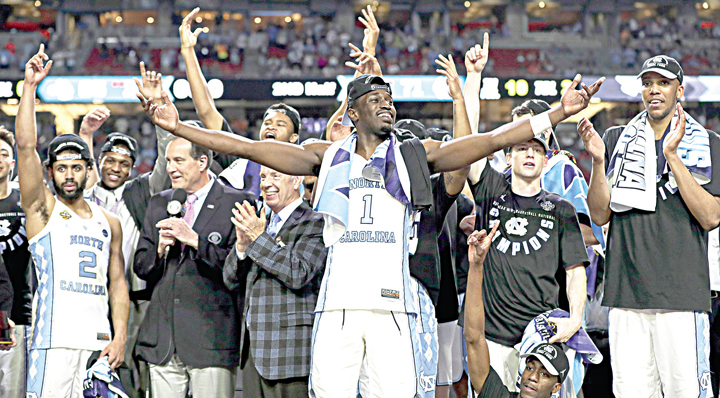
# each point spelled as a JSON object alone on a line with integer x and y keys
{"x": 72, "y": 255}
{"x": 365, "y": 270}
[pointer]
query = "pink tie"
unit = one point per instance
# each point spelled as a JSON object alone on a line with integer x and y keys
{"x": 189, "y": 213}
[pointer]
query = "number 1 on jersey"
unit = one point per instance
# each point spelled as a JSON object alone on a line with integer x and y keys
{"x": 366, "y": 218}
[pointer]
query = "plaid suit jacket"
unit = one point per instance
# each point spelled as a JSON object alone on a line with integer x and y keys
{"x": 282, "y": 279}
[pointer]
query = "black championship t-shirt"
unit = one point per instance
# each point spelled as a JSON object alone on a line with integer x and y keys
{"x": 537, "y": 236}
{"x": 15, "y": 253}
{"x": 658, "y": 260}
{"x": 494, "y": 388}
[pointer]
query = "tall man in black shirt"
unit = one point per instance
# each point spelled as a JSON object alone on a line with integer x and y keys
{"x": 546, "y": 366}
{"x": 15, "y": 254}
{"x": 657, "y": 181}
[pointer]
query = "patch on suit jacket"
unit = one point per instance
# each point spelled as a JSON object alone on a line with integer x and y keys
{"x": 215, "y": 237}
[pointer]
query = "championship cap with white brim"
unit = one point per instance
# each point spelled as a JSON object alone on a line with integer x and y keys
{"x": 553, "y": 358}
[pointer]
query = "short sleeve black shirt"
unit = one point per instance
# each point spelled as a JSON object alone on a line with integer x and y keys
{"x": 494, "y": 388}
{"x": 537, "y": 236}
{"x": 15, "y": 253}
{"x": 658, "y": 260}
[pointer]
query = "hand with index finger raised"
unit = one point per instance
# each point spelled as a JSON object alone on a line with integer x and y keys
{"x": 35, "y": 72}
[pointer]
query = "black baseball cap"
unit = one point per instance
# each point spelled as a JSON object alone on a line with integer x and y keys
{"x": 553, "y": 358}
{"x": 539, "y": 138}
{"x": 68, "y": 142}
{"x": 288, "y": 111}
{"x": 664, "y": 65}
{"x": 412, "y": 125}
{"x": 120, "y": 138}
{"x": 360, "y": 86}
{"x": 538, "y": 106}
{"x": 438, "y": 134}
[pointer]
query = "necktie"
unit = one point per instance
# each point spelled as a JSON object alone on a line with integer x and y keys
{"x": 189, "y": 213}
{"x": 272, "y": 228}
{"x": 190, "y": 209}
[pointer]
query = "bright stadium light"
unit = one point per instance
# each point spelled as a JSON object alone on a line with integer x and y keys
{"x": 467, "y": 4}
{"x": 705, "y": 5}
{"x": 118, "y": 19}
{"x": 541, "y": 4}
{"x": 288, "y": 19}
{"x": 258, "y": 19}
{"x": 150, "y": 20}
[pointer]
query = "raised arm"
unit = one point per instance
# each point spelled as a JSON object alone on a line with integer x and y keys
{"x": 474, "y": 333}
{"x": 465, "y": 151}
{"x": 117, "y": 294}
{"x": 455, "y": 180}
{"x": 598, "y": 191}
{"x": 202, "y": 100}
{"x": 370, "y": 38}
{"x": 281, "y": 156}
{"x": 702, "y": 204}
{"x": 91, "y": 122}
{"x": 36, "y": 199}
{"x": 151, "y": 87}
{"x": 475, "y": 60}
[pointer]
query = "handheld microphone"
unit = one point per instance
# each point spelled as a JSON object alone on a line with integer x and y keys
{"x": 175, "y": 207}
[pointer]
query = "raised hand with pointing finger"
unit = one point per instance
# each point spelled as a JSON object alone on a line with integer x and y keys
{"x": 476, "y": 57}
{"x": 35, "y": 72}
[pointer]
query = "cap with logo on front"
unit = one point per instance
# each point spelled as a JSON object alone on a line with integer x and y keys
{"x": 553, "y": 358}
{"x": 664, "y": 65}
{"x": 68, "y": 142}
{"x": 360, "y": 86}
{"x": 120, "y": 138}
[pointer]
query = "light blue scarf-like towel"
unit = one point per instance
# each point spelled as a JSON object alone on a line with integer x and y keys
{"x": 386, "y": 165}
{"x": 632, "y": 171}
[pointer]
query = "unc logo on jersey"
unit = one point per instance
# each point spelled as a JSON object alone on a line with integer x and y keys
{"x": 516, "y": 226}
{"x": 4, "y": 227}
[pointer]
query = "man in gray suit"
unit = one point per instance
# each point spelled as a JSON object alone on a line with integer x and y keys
{"x": 281, "y": 266}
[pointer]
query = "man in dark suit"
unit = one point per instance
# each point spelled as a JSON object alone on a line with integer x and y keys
{"x": 190, "y": 332}
{"x": 281, "y": 268}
